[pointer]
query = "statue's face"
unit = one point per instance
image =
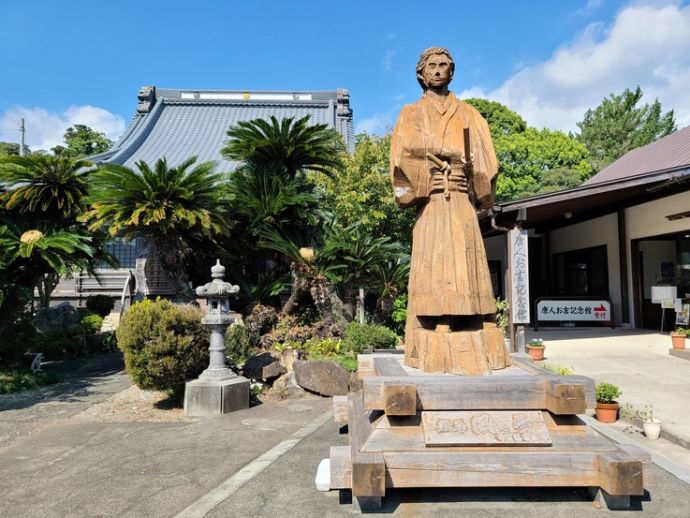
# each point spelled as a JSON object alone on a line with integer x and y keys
{"x": 437, "y": 71}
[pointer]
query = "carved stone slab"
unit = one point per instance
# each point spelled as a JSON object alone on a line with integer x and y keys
{"x": 484, "y": 428}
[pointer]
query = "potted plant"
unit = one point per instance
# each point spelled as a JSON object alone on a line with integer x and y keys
{"x": 678, "y": 338}
{"x": 651, "y": 426}
{"x": 607, "y": 407}
{"x": 535, "y": 348}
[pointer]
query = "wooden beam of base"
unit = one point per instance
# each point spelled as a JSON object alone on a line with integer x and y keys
{"x": 620, "y": 473}
{"x": 341, "y": 467}
{"x": 400, "y": 399}
{"x": 558, "y": 394}
{"x": 491, "y": 469}
{"x": 368, "y": 474}
{"x": 340, "y": 409}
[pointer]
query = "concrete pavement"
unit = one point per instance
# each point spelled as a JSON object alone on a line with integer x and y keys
{"x": 258, "y": 462}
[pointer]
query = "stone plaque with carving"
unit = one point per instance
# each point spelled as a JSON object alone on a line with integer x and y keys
{"x": 480, "y": 428}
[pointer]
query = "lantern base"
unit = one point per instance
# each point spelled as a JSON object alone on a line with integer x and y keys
{"x": 206, "y": 397}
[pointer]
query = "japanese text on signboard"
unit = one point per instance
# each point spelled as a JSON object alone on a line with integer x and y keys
{"x": 519, "y": 268}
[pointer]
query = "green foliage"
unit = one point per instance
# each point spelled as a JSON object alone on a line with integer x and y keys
{"x": 561, "y": 370}
{"x": 681, "y": 331}
{"x": 362, "y": 193}
{"x": 536, "y": 342}
{"x": 503, "y": 315}
{"x": 361, "y": 336}
{"x": 240, "y": 341}
{"x": 606, "y": 392}
{"x": 17, "y": 336}
{"x": 100, "y": 304}
{"x": 82, "y": 141}
{"x": 164, "y": 344}
{"x": 324, "y": 346}
{"x": 172, "y": 208}
{"x": 619, "y": 124}
{"x": 399, "y": 315}
{"x": 55, "y": 186}
{"x": 526, "y": 158}
{"x": 18, "y": 379}
{"x": 531, "y": 161}
{"x": 501, "y": 119}
{"x": 289, "y": 147}
{"x": 89, "y": 324}
{"x": 56, "y": 345}
{"x": 12, "y": 148}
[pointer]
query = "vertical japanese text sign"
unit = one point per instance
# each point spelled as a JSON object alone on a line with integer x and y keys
{"x": 519, "y": 269}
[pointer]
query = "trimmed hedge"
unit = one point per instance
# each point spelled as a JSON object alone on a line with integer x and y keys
{"x": 164, "y": 344}
{"x": 100, "y": 304}
{"x": 360, "y": 336}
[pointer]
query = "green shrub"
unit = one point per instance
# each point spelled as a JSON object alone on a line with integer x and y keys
{"x": 606, "y": 392}
{"x": 56, "y": 345}
{"x": 89, "y": 324}
{"x": 164, "y": 344}
{"x": 16, "y": 338}
{"x": 18, "y": 379}
{"x": 240, "y": 341}
{"x": 100, "y": 304}
{"x": 502, "y": 315}
{"x": 360, "y": 336}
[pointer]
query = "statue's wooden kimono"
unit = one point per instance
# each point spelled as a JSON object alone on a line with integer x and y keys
{"x": 451, "y": 309}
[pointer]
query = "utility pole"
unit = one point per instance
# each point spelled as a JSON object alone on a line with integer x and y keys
{"x": 21, "y": 138}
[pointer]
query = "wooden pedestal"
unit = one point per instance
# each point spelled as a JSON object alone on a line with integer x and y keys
{"x": 516, "y": 428}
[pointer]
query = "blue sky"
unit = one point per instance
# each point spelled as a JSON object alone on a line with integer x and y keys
{"x": 67, "y": 62}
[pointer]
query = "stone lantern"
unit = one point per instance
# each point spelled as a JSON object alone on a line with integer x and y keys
{"x": 218, "y": 389}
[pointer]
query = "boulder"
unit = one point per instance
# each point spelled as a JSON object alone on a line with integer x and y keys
{"x": 263, "y": 366}
{"x": 285, "y": 387}
{"x": 57, "y": 318}
{"x": 323, "y": 377}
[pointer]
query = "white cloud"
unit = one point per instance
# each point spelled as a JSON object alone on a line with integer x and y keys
{"x": 44, "y": 129}
{"x": 647, "y": 45}
{"x": 389, "y": 59}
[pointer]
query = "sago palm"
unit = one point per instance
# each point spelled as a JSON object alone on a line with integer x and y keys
{"x": 44, "y": 183}
{"x": 290, "y": 146}
{"x": 167, "y": 206}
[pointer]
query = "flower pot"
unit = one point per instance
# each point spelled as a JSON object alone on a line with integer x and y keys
{"x": 607, "y": 412}
{"x": 678, "y": 341}
{"x": 537, "y": 353}
{"x": 652, "y": 428}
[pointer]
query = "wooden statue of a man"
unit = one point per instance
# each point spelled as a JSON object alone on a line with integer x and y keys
{"x": 443, "y": 162}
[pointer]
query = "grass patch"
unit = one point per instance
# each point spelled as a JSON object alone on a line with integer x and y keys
{"x": 17, "y": 379}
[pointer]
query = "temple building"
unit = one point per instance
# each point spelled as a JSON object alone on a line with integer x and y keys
{"x": 178, "y": 124}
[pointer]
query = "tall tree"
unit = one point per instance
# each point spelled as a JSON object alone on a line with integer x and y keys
{"x": 362, "y": 192}
{"x": 169, "y": 207}
{"x": 289, "y": 146}
{"x": 620, "y": 124}
{"x": 82, "y": 142}
{"x": 44, "y": 196}
{"x": 529, "y": 157}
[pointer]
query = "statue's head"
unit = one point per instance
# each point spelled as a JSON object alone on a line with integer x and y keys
{"x": 435, "y": 67}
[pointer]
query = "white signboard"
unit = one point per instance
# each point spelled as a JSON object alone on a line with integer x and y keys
{"x": 683, "y": 316}
{"x": 519, "y": 275}
{"x": 660, "y": 293}
{"x": 574, "y": 310}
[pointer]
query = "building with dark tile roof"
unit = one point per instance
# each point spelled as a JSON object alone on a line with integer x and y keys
{"x": 180, "y": 123}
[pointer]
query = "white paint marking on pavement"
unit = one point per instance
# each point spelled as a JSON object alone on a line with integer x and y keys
{"x": 206, "y": 503}
{"x": 663, "y": 462}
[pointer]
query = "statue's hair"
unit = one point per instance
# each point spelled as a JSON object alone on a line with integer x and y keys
{"x": 425, "y": 57}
